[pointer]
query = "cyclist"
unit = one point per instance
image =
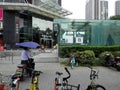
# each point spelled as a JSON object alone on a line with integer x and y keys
{"x": 25, "y": 56}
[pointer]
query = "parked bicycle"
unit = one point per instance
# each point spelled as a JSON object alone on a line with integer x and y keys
{"x": 93, "y": 85}
{"x": 35, "y": 80}
{"x": 14, "y": 85}
{"x": 62, "y": 83}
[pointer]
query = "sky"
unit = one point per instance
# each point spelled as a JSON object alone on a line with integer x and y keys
{"x": 77, "y": 7}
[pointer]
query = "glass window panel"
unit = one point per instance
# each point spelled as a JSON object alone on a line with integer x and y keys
{"x": 89, "y": 32}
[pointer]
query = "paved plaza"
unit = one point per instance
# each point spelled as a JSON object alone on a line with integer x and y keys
{"x": 48, "y": 64}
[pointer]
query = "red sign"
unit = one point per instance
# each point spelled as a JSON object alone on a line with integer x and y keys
{"x": 1, "y": 48}
{"x": 1, "y": 14}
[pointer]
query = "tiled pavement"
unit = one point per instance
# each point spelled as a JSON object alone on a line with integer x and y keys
{"x": 110, "y": 78}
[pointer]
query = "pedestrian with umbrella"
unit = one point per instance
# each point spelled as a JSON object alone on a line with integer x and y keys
{"x": 26, "y": 58}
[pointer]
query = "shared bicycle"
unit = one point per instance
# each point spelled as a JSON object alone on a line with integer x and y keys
{"x": 14, "y": 85}
{"x": 9, "y": 82}
{"x": 93, "y": 85}
{"x": 4, "y": 81}
{"x": 35, "y": 80}
{"x": 62, "y": 83}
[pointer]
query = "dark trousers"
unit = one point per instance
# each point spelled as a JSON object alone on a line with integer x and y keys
{"x": 25, "y": 62}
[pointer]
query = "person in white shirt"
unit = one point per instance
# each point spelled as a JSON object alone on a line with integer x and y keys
{"x": 25, "y": 55}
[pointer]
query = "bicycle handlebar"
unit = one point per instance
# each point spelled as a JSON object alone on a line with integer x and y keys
{"x": 65, "y": 78}
{"x": 93, "y": 74}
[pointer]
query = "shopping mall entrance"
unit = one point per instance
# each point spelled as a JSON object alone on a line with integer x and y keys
{"x": 47, "y": 42}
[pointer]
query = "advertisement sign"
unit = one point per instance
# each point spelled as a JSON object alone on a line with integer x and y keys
{"x": 79, "y": 40}
{"x": 1, "y": 14}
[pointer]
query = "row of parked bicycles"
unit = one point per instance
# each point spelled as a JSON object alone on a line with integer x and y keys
{"x": 61, "y": 83}
{"x": 12, "y": 82}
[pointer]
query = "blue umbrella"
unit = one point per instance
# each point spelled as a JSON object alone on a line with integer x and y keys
{"x": 28, "y": 44}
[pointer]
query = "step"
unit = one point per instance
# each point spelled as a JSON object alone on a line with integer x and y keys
{"x": 46, "y": 58}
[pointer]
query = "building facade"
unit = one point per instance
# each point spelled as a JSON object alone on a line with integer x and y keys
{"x": 96, "y": 9}
{"x": 103, "y": 10}
{"x": 117, "y": 7}
{"x": 88, "y": 32}
{"x": 19, "y": 14}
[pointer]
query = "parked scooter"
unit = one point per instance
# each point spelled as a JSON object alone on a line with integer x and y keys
{"x": 21, "y": 71}
{"x": 112, "y": 63}
{"x": 108, "y": 61}
{"x": 117, "y": 63}
{"x": 25, "y": 70}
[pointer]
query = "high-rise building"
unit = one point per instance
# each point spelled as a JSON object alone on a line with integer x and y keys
{"x": 96, "y": 9}
{"x": 104, "y": 9}
{"x": 117, "y": 7}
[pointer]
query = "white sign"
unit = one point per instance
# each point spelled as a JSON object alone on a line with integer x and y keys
{"x": 79, "y": 40}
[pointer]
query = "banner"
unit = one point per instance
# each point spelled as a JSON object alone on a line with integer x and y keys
{"x": 1, "y": 14}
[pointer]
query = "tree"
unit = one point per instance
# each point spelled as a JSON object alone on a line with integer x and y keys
{"x": 116, "y": 17}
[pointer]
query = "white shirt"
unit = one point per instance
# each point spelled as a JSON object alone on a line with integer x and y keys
{"x": 25, "y": 55}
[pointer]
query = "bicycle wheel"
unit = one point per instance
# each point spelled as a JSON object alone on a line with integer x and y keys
{"x": 100, "y": 87}
{"x": 78, "y": 88}
{"x": 12, "y": 88}
{"x": 55, "y": 84}
{"x": 97, "y": 87}
{"x": 37, "y": 88}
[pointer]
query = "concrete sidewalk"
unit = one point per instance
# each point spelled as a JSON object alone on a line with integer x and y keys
{"x": 110, "y": 78}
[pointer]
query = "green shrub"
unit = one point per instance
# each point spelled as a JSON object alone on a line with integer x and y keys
{"x": 116, "y": 53}
{"x": 64, "y": 51}
{"x": 85, "y": 57}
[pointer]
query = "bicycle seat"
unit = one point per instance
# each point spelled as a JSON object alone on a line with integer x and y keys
{"x": 59, "y": 73}
{"x": 15, "y": 76}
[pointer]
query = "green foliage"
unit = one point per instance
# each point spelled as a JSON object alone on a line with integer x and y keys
{"x": 84, "y": 58}
{"x": 116, "y": 53}
{"x": 88, "y": 54}
{"x": 116, "y": 17}
{"x": 87, "y": 57}
{"x": 64, "y": 51}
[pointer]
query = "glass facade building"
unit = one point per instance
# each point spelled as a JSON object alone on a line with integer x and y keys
{"x": 20, "y": 16}
{"x": 87, "y": 32}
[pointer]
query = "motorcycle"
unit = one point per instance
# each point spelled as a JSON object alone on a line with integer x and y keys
{"x": 117, "y": 63}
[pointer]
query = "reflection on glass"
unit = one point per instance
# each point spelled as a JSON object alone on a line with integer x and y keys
{"x": 89, "y": 32}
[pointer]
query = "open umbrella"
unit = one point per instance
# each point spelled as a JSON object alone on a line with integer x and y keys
{"x": 28, "y": 44}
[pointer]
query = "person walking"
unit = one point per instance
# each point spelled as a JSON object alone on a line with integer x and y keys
{"x": 72, "y": 61}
